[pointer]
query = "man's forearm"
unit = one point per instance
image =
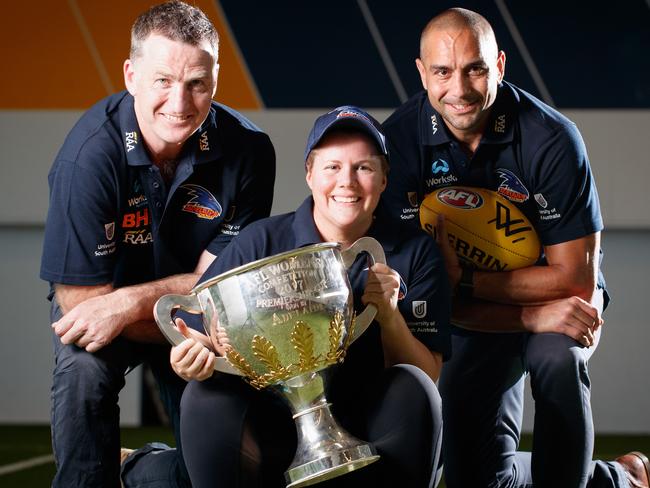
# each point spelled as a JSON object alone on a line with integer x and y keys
{"x": 138, "y": 300}
{"x": 484, "y": 316}
{"x": 144, "y": 331}
{"x": 572, "y": 270}
{"x": 573, "y": 317}
{"x": 527, "y": 286}
{"x": 95, "y": 315}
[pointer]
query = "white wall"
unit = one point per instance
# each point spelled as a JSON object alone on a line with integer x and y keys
{"x": 26, "y": 358}
{"x": 616, "y": 142}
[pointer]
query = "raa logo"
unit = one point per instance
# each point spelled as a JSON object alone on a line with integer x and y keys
{"x": 204, "y": 143}
{"x": 202, "y": 203}
{"x": 131, "y": 140}
{"x": 500, "y": 124}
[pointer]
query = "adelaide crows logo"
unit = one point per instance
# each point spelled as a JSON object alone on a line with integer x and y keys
{"x": 511, "y": 187}
{"x": 201, "y": 203}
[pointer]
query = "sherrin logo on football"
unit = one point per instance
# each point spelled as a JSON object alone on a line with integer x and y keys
{"x": 484, "y": 228}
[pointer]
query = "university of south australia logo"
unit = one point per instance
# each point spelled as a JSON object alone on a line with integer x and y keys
{"x": 419, "y": 308}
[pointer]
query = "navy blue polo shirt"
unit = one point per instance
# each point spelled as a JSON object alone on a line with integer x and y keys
{"x": 530, "y": 154}
{"x": 113, "y": 219}
{"x": 425, "y": 295}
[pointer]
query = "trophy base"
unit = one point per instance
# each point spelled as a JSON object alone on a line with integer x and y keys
{"x": 331, "y": 466}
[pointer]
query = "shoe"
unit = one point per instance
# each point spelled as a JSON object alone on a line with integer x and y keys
{"x": 637, "y": 469}
{"x": 124, "y": 454}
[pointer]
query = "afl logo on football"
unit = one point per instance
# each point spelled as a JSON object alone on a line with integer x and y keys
{"x": 460, "y": 198}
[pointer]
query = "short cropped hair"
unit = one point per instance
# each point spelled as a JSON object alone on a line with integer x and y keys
{"x": 174, "y": 20}
{"x": 459, "y": 18}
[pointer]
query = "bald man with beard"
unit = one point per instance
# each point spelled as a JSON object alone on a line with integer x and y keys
{"x": 469, "y": 127}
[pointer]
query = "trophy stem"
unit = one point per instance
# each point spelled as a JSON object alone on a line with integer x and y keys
{"x": 325, "y": 450}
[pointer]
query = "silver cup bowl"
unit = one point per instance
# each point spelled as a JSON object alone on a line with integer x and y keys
{"x": 287, "y": 319}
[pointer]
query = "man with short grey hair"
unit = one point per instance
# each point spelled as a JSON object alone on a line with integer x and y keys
{"x": 148, "y": 188}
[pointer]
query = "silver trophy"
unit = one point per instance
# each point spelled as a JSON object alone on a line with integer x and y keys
{"x": 287, "y": 319}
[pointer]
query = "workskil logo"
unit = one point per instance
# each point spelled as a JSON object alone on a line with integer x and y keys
{"x": 440, "y": 166}
{"x": 511, "y": 187}
{"x": 202, "y": 203}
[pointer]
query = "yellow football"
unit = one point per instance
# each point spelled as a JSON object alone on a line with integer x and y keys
{"x": 484, "y": 228}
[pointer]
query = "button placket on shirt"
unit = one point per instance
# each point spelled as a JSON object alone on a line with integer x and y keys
{"x": 157, "y": 196}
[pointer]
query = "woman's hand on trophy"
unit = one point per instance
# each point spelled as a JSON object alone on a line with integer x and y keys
{"x": 192, "y": 359}
{"x": 220, "y": 341}
{"x": 382, "y": 290}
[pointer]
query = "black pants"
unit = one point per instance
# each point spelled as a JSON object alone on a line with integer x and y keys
{"x": 85, "y": 416}
{"x": 483, "y": 390}
{"x": 235, "y": 436}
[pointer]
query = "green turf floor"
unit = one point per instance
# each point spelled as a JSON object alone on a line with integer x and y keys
{"x": 18, "y": 443}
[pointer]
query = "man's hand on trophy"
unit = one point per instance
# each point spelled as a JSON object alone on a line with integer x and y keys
{"x": 192, "y": 359}
{"x": 382, "y": 290}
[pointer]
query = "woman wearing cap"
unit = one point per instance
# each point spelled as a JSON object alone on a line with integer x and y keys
{"x": 384, "y": 392}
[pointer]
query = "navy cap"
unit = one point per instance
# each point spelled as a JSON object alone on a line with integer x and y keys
{"x": 346, "y": 116}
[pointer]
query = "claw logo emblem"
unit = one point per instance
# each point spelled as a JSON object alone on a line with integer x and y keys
{"x": 202, "y": 203}
{"x": 511, "y": 187}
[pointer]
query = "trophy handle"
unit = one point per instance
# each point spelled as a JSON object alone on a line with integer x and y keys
{"x": 377, "y": 255}
{"x": 162, "y": 312}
